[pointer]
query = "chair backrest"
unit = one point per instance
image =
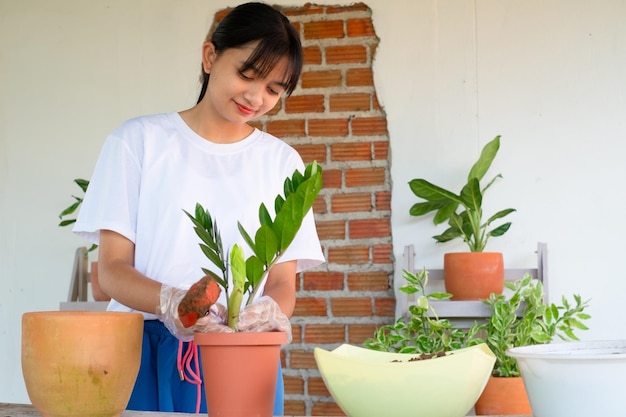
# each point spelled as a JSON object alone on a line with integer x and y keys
{"x": 465, "y": 312}
{"x": 80, "y": 277}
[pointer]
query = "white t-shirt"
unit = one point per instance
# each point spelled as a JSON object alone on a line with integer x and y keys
{"x": 153, "y": 167}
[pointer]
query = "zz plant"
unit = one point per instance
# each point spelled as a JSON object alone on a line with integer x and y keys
{"x": 268, "y": 244}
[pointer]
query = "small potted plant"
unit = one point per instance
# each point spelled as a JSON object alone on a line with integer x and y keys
{"x": 520, "y": 319}
{"x": 423, "y": 332}
{"x": 473, "y": 275}
{"x": 230, "y": 357}
{"x": 67, "y": 219}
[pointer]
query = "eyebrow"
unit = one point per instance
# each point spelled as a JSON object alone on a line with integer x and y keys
{"x": 282, "y": 84}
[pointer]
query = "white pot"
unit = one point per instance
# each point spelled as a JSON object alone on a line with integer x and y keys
{"x": 574, "y": 379}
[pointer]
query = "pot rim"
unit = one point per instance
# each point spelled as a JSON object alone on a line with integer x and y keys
{"x": 240, "y": 338}
{"x": 572, "y": 351}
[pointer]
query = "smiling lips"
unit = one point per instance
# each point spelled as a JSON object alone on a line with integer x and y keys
{"x": 245, "y": 110}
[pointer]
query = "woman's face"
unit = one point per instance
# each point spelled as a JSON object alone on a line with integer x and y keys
{"x": 237, "y": 96}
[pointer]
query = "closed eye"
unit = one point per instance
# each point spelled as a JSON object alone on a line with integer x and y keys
{"x": 245, "y": 76}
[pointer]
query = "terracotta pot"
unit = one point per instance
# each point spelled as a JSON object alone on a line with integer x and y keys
{"x": 503, "y": 396}
{"x": 78, "y": 363}
{"x": 96, "y": 290}
{"x": 473, "y": 275}
{"x": 240, "y": 371}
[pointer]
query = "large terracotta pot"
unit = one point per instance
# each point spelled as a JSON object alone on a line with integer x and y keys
{"x": 78, "y": 363}
{"x": 473, "y": 275}
{"x": 240, "y": 371}
{"x": 503, "y": 396}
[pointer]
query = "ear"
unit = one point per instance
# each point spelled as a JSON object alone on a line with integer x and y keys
{"x": 208, "y": 56}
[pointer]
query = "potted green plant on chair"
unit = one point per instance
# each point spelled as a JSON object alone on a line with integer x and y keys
{"x": 475, "y": 274}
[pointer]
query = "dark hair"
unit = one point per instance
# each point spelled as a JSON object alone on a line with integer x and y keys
{"x": 277, "y": 38}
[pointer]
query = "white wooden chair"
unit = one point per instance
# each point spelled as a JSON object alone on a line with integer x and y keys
{"x": 464, "y": 313}
{"x": 77, "y": 298}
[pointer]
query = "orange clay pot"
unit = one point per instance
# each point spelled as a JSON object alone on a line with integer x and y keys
{"x": 473, "y": 275}
{"x": 240, "y": 371}
{"x": 78, "y": 363}
{"x": 503, "y": 396}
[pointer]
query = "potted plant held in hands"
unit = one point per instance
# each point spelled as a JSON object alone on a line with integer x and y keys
{"x": 229, "y": 360}
{"x": 467, "y": 275}
{"x": 521, "y": 319}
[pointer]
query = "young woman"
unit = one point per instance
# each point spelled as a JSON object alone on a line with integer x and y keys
{"x": 153, "y": 167}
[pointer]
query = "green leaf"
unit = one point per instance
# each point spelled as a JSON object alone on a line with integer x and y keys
{"x": 487, "y": 155}
{"x": 266, "y": 244}
{"x": 254, "y": 270}
{"x": 440, "y": 295}
{"x": 419, "y": 209}
{"x": 289, "y": 219}
{"x": 71, "y": 209}
{"x": 471, "y": 195}
{"x": 448, "y": 235}
{"x": 67, "y": 222}
{"x": 216, "y": 277}
{"x": 278, "y": 203}
{"x": 431, "y": 192}
{"x": 500, "y": 230}
{"x": 246, "y": 237}
{"x": 445, "y": 212}
{"x": 288, "y": 188}
{"x": 82, "y": 183}
{"x": 407, "y": 289}
{"x": 238, "y": 268}
{"x": 500, "y": 214}
{"x": 264, "y": 215}
{"x": 578, "y": 324}
{"x": 213, "y": 256}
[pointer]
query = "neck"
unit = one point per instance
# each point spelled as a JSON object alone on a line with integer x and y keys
{"x": 215, "y": 130}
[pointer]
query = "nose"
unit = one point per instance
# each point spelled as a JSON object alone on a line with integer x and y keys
{"x": 254, "y": 95}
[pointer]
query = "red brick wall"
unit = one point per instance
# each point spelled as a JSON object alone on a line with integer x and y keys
{"x": 334, "y": 117}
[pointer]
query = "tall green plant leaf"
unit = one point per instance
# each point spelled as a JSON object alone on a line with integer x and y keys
{"x": 471, "y": 195}
{"x": 445, "y": 212}
{"x": 487, "y": 155}
{"x": 430, "y": 192}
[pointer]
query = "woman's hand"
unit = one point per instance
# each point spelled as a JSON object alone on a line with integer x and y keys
{"x": 214, "y": 320}
{"x": 264, "y": 315}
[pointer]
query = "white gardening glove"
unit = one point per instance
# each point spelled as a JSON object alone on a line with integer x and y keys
{"x": 216, "y": 321}
{"x": 264, "y": 315}
{"x": 167, "y": 312}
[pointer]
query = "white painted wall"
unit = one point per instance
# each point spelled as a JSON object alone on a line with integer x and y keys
{"x": 451, "y": 74}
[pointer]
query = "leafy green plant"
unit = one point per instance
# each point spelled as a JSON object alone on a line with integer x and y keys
{"x": 268, "y": 244}
{"x": 463, "y": 211}
{"x": 71, "y": 209}
{"x": 423, "y": 332}
{"x": 523, "y": 319}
